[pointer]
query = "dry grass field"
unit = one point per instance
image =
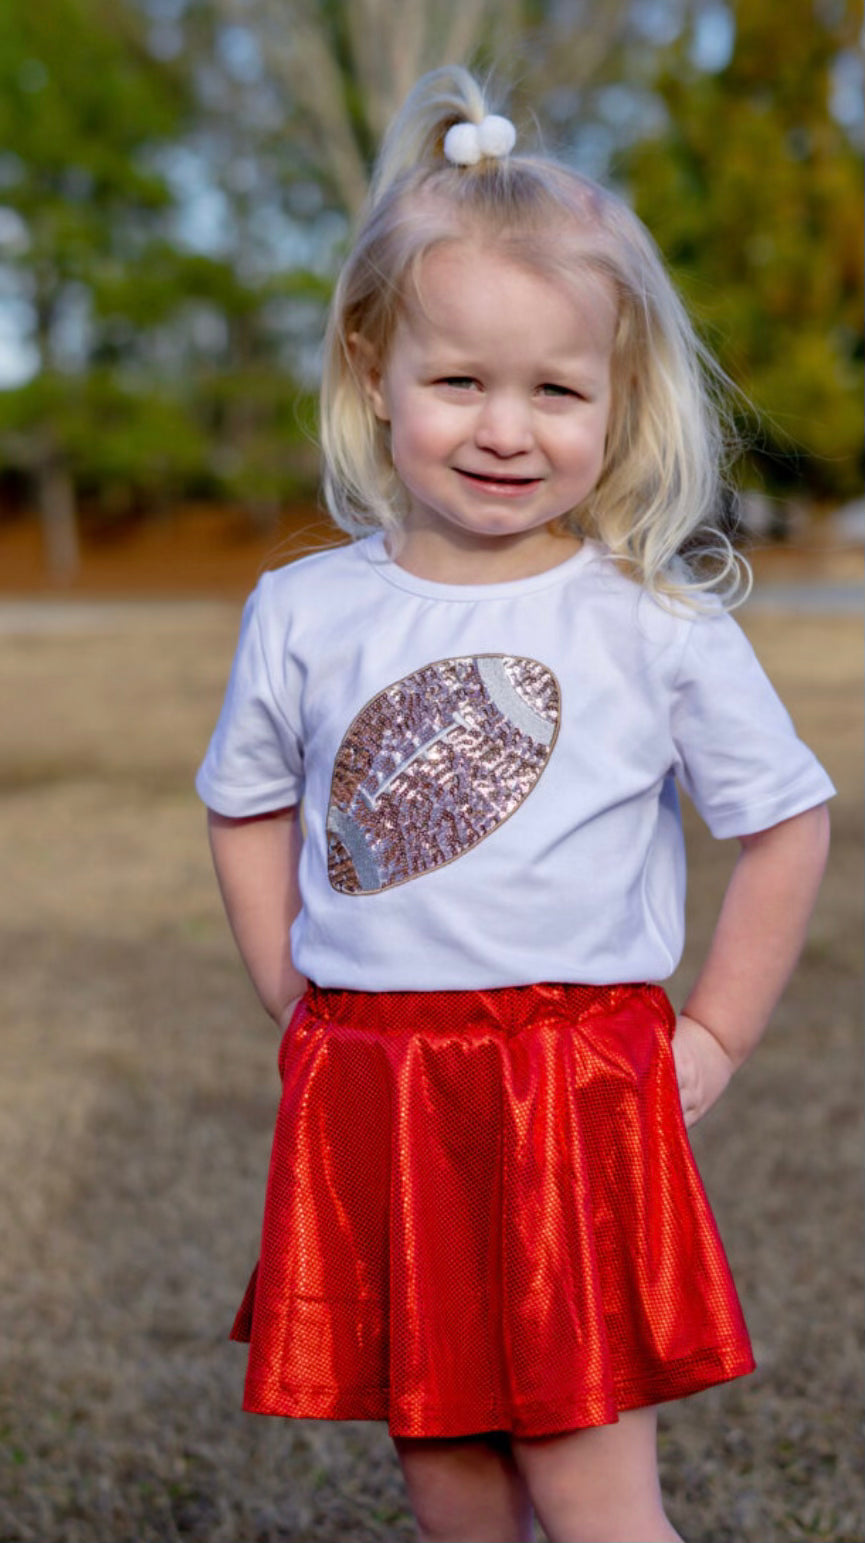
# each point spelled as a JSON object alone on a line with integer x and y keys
{"x": 138, "y": 1089}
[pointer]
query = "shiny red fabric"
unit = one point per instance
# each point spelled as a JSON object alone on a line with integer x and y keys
{"x": 483, "y": 1214}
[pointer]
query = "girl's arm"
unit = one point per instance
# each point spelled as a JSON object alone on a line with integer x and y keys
{"x": 757, "y": 940}
{"x": 256, "y": 865}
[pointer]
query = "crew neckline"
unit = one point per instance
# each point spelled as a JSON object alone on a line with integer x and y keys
{"x": 376, "y": 554}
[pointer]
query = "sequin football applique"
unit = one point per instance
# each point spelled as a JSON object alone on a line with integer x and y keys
{"x": 434, "y": 764}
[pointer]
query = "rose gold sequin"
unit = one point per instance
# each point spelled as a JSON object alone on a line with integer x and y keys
{"x": 434, "y": 764}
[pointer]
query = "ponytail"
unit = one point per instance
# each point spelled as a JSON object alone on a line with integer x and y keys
{"x": 414, "y": 141}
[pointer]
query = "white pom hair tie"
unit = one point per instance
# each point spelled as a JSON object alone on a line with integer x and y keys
{"x": 467, "y": 143}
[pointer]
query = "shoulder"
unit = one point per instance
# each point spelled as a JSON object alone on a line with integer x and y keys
{"x": 687, "y": 606}
{"x": 299, "y": 587}
{"x": 637, "y": 613}
{"x": 674, "y": 640}
{"x": 330, "y": 565}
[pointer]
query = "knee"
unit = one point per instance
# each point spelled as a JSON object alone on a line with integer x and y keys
{"x": 458, "y": 1525}
{"x": 610, "y": 1526}
{"x": 443, "y": 1517}
{"x": 598, "y": 1485}
{"x": 465, "y": 1492}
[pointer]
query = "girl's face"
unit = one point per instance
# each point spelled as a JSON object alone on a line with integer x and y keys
{"x": 497, "y": 391}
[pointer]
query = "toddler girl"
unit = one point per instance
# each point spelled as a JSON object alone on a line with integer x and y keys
{"x": 483, "y": 1221}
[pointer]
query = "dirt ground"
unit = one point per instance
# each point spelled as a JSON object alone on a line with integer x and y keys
{"x": 138, "y": 1089}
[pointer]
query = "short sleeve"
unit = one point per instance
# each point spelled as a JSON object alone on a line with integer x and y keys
{"x": 738, "y": 755}
{"x": 254, "y": 762}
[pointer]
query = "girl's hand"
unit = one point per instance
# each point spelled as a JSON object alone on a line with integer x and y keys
{"x": 703, "y": 1068}
{"x": 287, "y": 1012}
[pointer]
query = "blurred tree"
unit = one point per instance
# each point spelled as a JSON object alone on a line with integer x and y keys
{"x": 753, "y": 189}
{"x": 81, "y": 105}
{"x": 336, "y": 70}
{"x": 322, "y": 78}
{"x": 158, "y": 368}
{"x": 213, "y": 329}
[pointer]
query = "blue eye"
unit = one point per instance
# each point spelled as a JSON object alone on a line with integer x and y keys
{"x": 458, "y": 382}
{"x": 549, "y": 389}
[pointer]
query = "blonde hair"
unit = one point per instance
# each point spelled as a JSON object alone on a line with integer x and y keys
{"x": 657, "y": 502}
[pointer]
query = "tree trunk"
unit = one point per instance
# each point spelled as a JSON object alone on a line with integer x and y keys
{"x": 56, "y": 500}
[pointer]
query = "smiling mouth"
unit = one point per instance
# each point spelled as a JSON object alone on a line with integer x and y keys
{"x": 495, "y": 479}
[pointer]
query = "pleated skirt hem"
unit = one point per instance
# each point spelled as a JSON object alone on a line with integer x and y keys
{"x": 524, "y": 1420}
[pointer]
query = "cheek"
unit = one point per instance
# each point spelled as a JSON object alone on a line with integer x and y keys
{"x": 419, "y": 436}
{"x": 585, "y": 445}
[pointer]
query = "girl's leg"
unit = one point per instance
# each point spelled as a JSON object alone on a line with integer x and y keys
{"x": 598, "y": 1485}
{"x": 466, "y": 1489}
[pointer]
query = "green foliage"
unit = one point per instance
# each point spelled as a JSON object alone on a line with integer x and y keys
{"x": 262, "y": 428}
{"x": 126, "y": 445}
{"x": 754, "y": 195}
{"x": 137, "y": 337}
{"x": 80, "y": 102}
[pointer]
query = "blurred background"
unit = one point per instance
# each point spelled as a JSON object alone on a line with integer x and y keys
{"x": 177, "y": 183}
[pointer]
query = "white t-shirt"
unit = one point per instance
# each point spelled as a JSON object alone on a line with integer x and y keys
{"x": 488, "y": 771}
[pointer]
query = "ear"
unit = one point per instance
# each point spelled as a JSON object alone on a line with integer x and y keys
{"x": 367, "y": 367}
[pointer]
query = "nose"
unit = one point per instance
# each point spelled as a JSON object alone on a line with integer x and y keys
{"x": 504, "y": 424}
